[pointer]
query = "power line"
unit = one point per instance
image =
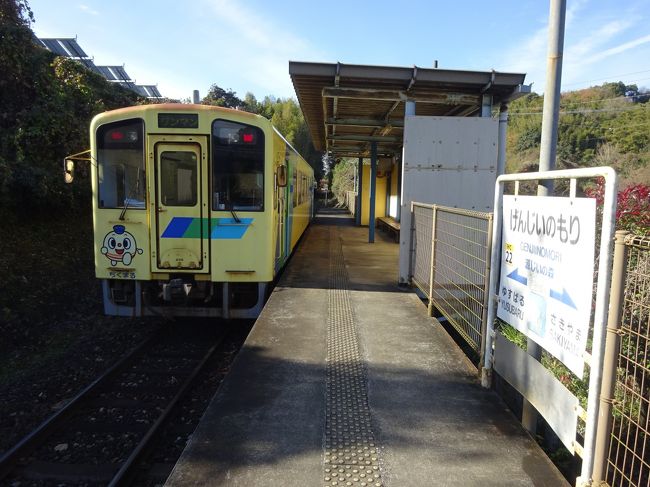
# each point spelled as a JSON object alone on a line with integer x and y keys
{"x": 606, "y": 78}
{"x": 564, "y": 112}
{"x": 626, "y": 126}
{"x": 622, "y": 98}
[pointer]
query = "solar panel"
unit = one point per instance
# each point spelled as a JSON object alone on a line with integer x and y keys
{"x": 64, "y": 47}
{"x": 151, "y": 91}
{"x": 88, "y": 63}
{"x": 73, "y": 48}
{"x": 120, "y": 73}
{"x": 106, "y": 72}
{"x": 129, "y": 85}
{"x": 54, "y": 46}
{"x": 91, "y": 65}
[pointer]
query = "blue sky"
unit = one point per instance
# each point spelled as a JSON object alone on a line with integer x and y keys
{"x": 246, "y": 45}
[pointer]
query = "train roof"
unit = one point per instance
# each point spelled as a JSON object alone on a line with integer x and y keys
{"x": 177, "y": 107}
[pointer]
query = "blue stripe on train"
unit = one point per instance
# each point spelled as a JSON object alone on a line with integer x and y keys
{"x": 176, "y": 228}
{"x": 222, "y": 228}
{"x": 228, "y": 228}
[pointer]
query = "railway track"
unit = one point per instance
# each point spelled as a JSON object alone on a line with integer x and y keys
{"x": 107, "y": 434}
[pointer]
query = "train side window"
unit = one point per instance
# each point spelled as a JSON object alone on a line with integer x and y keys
{"x": 237, "y": 166}
{"x": 120, "y": 164}
{"x": 178, "y": 175}
{"x": 301, "y": 198}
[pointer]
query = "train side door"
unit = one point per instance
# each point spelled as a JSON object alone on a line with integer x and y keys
{"x": 181, "y": 211}
{"x": 290, "y": 198}
{"x": 279, "y": 241}
{"x": 281, "y": 191}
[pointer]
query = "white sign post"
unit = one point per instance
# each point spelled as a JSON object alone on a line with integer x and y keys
{"x": 547, "y": 272}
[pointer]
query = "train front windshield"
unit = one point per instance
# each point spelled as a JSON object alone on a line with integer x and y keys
{"x": 238, "y": 166}
{"x": 120, "y": 164}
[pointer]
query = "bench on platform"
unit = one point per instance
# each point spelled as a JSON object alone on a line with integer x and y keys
{"x": 389, "y": 224}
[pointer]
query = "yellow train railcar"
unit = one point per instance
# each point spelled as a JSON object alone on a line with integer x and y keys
{"x": 195, "y": 209}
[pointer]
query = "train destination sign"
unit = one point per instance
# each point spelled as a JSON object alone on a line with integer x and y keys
{"x": 178, "y": 120}
{"x": 547, "y": 272}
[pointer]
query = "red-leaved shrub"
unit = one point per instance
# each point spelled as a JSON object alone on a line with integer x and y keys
{"x": 632, "y": 206}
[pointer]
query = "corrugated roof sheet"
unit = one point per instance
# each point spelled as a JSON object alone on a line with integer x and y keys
{"x": 347, "y": 106}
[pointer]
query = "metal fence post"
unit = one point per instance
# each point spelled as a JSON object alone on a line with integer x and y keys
{"x": 612, "y": 346}
{"x": 600, "y": 318}
{"x": 432, "y": 273}
{"x": 411, "y": 244}
{"x": 495, "y": 263}
{"x": 486, "y": 287}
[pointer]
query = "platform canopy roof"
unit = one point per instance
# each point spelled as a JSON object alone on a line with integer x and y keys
{"x": 348, "y": 106}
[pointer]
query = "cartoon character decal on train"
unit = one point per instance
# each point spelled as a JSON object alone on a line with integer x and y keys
{"x": 120, "y": 246}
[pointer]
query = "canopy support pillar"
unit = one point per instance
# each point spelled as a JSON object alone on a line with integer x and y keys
{"x": 357, "y": 209}
{"x": 373, "y": 191}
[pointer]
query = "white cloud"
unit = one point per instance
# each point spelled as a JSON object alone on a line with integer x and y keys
{"x": 529, "y": 55}
{"x": 590, "y": 37}
{"x": 618, "y": 49}
{"x": 258, "y": 48}
{"x": 88, "y": 10}
{"x": 590, "y": 48}
{"x": 573, "y": 9}
{"x": 595, "y": 40}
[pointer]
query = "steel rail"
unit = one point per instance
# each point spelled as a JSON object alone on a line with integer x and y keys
{"x": 123, "y": 476}
{"x": 9, "y": 459}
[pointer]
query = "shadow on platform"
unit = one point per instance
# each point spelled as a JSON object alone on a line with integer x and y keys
{"x": 432, "y": 422}
{"x": 334, "y": 216}
{"x": 270, "y": 412}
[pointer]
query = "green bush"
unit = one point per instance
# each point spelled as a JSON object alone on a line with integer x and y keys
{"x": 589, "y": 120}
{"x": 343, "y": 179}
{"x": 46, "y": 104}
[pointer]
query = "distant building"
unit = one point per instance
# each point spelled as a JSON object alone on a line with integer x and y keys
{"x": 115, "y": 74}
{"x": 636, "y": 97}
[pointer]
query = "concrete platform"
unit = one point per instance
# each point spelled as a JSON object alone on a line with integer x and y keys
{"x": 304, "y": 406}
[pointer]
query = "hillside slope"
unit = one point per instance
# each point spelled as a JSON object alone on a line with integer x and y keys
{"x": 599, "y": 126}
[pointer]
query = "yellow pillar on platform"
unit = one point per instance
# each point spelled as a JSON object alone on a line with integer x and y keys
{"x": 380, "y": 199}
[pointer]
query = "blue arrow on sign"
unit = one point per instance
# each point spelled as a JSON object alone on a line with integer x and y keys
{"x": 563, "y": 297}
{"x": 515, "y": 276}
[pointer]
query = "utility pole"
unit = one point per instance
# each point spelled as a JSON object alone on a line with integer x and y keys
{"x": 551, "y": 112}
{"x": 548, "y": 149}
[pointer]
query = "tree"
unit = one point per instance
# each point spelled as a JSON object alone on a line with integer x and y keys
{"x": 251, "y": 104}
{"x": 22, "y": 68}
{"x": 598, "y": 125}
{"x": 46, "y": 104}
{"x": 217, "y": 96}
{"x": 343, "y": 179}
{"x": 286, "y": 116}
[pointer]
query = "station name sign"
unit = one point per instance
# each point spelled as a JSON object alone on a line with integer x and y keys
{"x": 547, "y": 272}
